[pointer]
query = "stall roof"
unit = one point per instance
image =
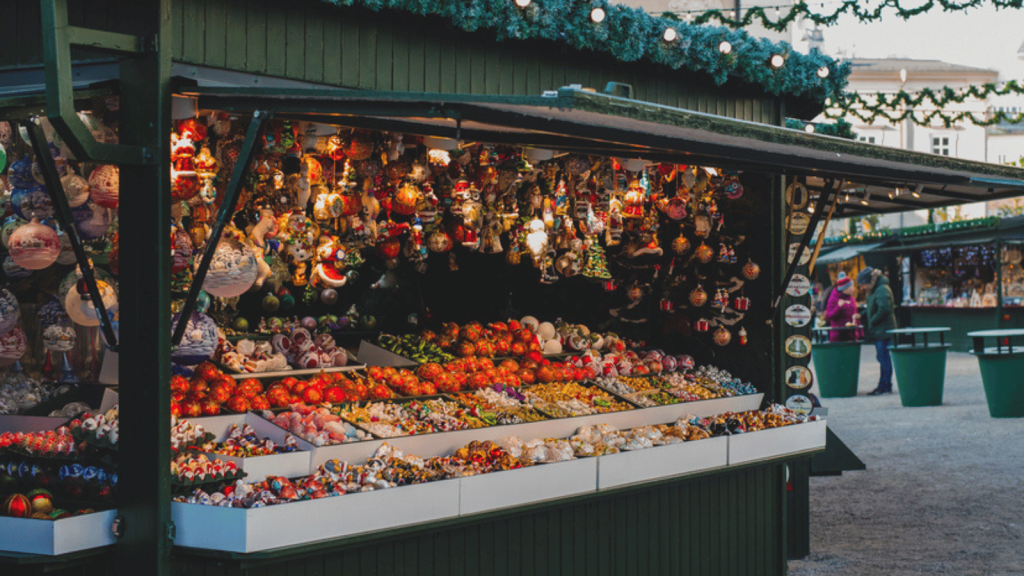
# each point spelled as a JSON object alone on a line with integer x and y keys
{"x": 844, "y": 253}
{"x": 573, "y": 120}
{"x": 1008, "y": 230}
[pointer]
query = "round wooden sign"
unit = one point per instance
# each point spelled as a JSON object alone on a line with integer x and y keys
{"x": 799, "y": 285}
{"x": 798, "y": 315}
{"x": 798, "y": 346}
{"x": 797, "y": 196}
{"x": 798, "y": 377}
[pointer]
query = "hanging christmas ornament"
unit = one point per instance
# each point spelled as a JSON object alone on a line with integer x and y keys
{"x": 726, "y": 254}
{"x": 743, "y": 336}
{"x": 199, "y": 342}
{"x": 733, "y": 189}
{"x": 34, "y": 246}
{"x": 698, "y": 297}
{"x": 79, "y": 306}
{"x": 721, "y": 299}
{"x": 406, "y": 199}
{"x": 701, "y": 325}
{"x": 568, "y": 264}
{"x": 104, "y": 185}
{"x": 610, "y": 285}
{"x": 359, "y": 146}
{"x": 666, "y": 305}
{"x": 92, "y": 220}
{"x": 674, "y": 208}
{"x": 270, "y": 303}
{"x": 32, "y": 203}
{"x": 439, "y": 241}
{"x": 741, "y": 304}
{"x": 13, "y": 345}
{"x": 76, "y": 189}
{"x": 751, "y": 270}
{"x": 329, "y": 296}
{"x": 722, "y": 336}
{"x": 233, "y": 269}
{"x": 702, "y": 225}
{"x": 704, "y": 253}
{"x": 10, "y": 311}
{"x": 19, "y": 175}
{"x": 634, "y": 292}
{"x": 57, "y": 338}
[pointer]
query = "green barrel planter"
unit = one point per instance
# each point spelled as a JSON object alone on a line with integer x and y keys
{"x": 837, "y": 368}
{"x": 920, "y": 372}
{"x": 1003, "y": 378}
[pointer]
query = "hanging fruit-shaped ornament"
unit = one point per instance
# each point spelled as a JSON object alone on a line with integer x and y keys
{"x": 681, "y": 245}
{"x": 722, "y": 336}
{"x": 751, "y": 270}
{"x": 34, "y": 246}
{"x": 406, "y": 199}
{"x": 698, "y": 297}
{"x": 705, "y": 253}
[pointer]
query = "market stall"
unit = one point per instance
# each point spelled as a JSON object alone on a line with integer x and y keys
{"x": 538, "y": 331}
{"x": 965, "y": 275}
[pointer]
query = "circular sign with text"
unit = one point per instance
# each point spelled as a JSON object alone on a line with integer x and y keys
{"x": 805, "y": 256}
{"x": 800, "y": 404}
{"x": 797, "y": 196}
{"x": 799, "y": 285}
{"x": 798, "y": 316}
{"x": 798, "y": 346}
{"x": 798, "y": 222}
{"x": 798, "y": 377}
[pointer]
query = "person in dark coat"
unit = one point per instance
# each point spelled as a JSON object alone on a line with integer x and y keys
{"x": 879, "y": 318}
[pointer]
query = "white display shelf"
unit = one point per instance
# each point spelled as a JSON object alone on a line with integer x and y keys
{"x": 635, "y": 466}
{"x": 53, "y": 537}
{"x": 288, "y": 464}
{"x": 527, "y": 485}
{"x": 764, "y": 444}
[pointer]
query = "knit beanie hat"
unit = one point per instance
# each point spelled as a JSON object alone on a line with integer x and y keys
{"x": 843, "y": 282}
{"x": 864, "y": 277}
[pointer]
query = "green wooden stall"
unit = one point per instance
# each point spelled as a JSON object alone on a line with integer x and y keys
{"x": 299, "y": 54}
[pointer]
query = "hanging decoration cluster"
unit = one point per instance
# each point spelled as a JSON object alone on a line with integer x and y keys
{"x": 630, "y": 34}
{"x": 905, "y": 105}
{"x": 863, "y": 11}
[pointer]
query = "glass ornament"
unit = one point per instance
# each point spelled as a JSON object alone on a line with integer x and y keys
{"x": 52, "y": 312}
{"x": 12, "y": 346}
{"x": 104, "y": 185}
{"x": 75, "y": 275}
{"x": 34, "y": 246}
{"x": 9, "y": 228}
{"x": 12, "y": 270}
{"x": 59, "y": 338}
{"x": 9, "y": 311}
{"x": 199, "y": 341}
{"x": 233, "y": 269}
{"x": 78, "y": 304}
{"x": 67, "y": 253}
{"x": 76, "y": 189}
{"x": 91, "y": 220}
{"x": 20, "y": 174}
{"x": 29, "y": 203}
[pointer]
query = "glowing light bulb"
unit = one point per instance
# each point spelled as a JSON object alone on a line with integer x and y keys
{"x": 523, "y": 3}
{"x": 670, "y": 34}
{"x": 823, "y": 72}
{"x": 809, "y": 128}
{"x": 725, "y": 47}
{"x": 777, "y": 60}
{"x": 597, "y": 15}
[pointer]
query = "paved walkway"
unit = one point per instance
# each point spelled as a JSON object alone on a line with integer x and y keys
{"x": 943, "y": 492}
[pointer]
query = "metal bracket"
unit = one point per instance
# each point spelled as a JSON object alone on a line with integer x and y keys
{"x": 58, "y": 36}
{"x": 62, "y": 211}
{"x": 227, "y": 210}
{"x": 823, "y": 202}
{"x": 117, "y": 526}
{"x": 171, "y": 530}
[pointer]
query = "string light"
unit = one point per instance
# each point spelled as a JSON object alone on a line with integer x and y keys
{"x": 523, "y": 3}
{"x": 864, "y": 200}
{"x": 823, "y": 72}
{"x": 597, "y": 15}
{"x": 776, "y": 61}
{"x": 917, "y": 191}
{"x": 670, "y": 34}
{"x": 809, "y": 128}
{"x": 725, "y": 47}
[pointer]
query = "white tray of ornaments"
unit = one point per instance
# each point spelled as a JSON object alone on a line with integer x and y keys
{"x": 54, "y": 537}
{"x": 257, "y": 468}
{"x": 442, "y": 443}
{"x": 257, "y": 529}
{"x": 765, "y": 444}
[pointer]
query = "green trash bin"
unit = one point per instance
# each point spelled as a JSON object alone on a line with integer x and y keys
{"x": 837, "y": 368}
{"x": 1002, "y": 372}
{"x": 919, "y": 366}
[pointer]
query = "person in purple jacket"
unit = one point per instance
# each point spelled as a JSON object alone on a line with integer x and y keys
{"x": 841, "y": 309}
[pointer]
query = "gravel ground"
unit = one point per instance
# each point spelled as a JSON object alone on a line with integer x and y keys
{"x": 943, "y": 492}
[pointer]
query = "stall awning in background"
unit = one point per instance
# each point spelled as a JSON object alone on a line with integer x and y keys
{"x": 844, "y": 253}
{"x": 570, "y": 120}
{"x": 1009, "y": 230}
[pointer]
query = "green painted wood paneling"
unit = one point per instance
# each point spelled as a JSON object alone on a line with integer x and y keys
{"x": 314, "y": 48}
{"x": 255, "y": 38}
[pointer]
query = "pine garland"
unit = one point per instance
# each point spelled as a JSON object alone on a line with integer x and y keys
{"x": 903, "y": 105}
{"x": 858, "y": 9}
{"x": 630, "y": 34}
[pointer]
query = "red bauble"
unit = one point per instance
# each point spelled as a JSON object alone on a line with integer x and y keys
{"x": 389, "y": 248}
{"x": 17, "y": 506}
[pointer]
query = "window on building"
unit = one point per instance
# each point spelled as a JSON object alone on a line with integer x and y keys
{"x": 940, "y": 145}
{"x": 868, "y": 139}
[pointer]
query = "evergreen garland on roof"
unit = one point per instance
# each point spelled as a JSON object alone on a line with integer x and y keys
{"x": 630, "y": 35}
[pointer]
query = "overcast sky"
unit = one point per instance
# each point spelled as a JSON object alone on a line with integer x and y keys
{"x": 985, "y": 38}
